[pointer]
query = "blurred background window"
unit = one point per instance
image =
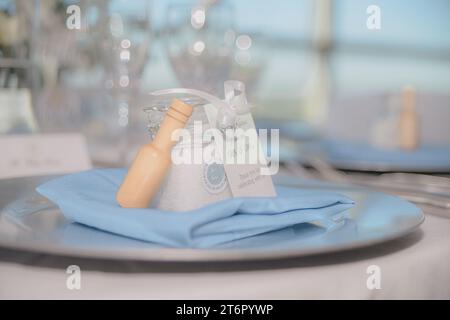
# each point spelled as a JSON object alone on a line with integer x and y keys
{"x": 412, "y": 46}
{"x": 276, "y": 68}
{"x": 295, "y": 56}
{"x": 310, "y": 48}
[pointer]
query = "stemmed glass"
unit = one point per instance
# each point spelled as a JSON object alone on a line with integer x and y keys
{"x": 98, "y": 74}
{"x": 199, "y": 40}
{"x": 130, "y": 34}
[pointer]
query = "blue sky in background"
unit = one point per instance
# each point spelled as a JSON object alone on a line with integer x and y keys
{"x": 412, "y": 47}
{"x": 423, "y": 23}
{"x": 357, "y": 66}
{"x": 281, "y": 18}
{"x": 419, "y": 22}
{"x": 412, "y": 27}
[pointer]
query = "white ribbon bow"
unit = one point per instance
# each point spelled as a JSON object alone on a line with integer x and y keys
{"x": 235, "y": 102}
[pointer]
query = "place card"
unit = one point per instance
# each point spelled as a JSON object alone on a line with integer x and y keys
{"x": 42, "y": 154}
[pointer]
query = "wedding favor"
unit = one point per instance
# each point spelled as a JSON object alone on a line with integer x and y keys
{"x": 192, "y": 181}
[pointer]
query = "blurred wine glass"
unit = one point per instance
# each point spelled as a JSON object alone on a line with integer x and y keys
{"x": 91, "y": 77}
{"x": 249, "y": 61}
{"x": 200, "y": 40}
{"x": 130, "y": 31}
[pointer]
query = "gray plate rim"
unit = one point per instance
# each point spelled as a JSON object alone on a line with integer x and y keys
{"x": 202, "y": 255}
{"x": 211, "y": 255}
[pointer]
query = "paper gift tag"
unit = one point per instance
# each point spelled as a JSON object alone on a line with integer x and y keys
{"x": 245, "y": 180}
{"x": 42, "y": 154}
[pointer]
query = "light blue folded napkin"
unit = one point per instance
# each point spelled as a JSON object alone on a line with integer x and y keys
{"x": 89, "y": 198}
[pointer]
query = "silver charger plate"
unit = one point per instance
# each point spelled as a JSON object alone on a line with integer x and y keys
{"x": 357, "y": 159}
{"x": 383, "y": 167}
{"x": 30, "y": 222}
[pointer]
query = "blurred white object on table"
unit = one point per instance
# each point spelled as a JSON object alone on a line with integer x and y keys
{"x": 16, "y": 114}
{"x": 433, "y": 113}
{"x": 33, "y": 155}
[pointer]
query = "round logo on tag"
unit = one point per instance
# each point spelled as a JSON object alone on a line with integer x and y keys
{"x": 214, "y": 178}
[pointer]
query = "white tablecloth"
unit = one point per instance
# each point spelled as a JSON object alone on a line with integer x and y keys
{"x": 417, "y": 266}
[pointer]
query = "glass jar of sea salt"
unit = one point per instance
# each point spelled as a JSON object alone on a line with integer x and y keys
{"x": 190, "y": 184}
